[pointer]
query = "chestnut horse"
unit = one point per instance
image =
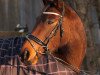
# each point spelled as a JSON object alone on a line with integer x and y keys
{"x": 60, "y": 33}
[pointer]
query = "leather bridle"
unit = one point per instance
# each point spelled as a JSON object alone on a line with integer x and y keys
{"x": 44, "y": 43}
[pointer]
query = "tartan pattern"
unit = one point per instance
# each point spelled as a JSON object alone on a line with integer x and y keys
{"x": 10, "y": 63}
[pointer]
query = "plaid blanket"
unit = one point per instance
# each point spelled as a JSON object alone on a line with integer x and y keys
{"x": 11, "y": 64}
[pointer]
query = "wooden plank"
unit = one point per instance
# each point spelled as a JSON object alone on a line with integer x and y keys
{"x": 6, "y": 34}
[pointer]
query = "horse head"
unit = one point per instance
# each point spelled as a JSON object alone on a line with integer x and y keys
{"x": 59, "y": 31}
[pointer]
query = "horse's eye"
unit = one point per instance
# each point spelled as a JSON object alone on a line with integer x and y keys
{"x": 50, "y": 21}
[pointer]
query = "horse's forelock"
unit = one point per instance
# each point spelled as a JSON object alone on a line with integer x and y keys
{"x": 46, "y": 2}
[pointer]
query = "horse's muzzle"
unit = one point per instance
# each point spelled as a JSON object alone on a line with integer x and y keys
{"x": 24, "y": 57}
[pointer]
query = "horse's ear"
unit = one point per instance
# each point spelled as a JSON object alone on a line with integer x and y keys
{"x": 46, "y": 2}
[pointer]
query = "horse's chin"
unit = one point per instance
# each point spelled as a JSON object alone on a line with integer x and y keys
{"x": 33, "y": 60}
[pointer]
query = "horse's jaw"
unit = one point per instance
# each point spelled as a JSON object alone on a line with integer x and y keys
{"x": 33, "y": 60}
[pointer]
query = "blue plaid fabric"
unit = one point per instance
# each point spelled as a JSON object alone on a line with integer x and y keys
{"x": 10, "y": 61}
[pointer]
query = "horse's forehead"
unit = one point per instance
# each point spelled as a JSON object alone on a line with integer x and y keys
{"x": 50, "y": 16}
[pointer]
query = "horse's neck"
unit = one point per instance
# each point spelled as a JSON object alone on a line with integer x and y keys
{"x": 71, "y": 56}
{"x": 74, "y": 41}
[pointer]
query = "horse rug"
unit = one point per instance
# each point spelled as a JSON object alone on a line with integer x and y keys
{"x": 11, "y": 64}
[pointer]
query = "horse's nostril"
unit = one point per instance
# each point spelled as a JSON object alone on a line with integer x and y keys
{"x": 25, "y": 55}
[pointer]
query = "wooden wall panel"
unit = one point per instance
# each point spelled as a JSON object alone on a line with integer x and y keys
{"x": 13, "y": 12}
{"x": 33, "y": 8}
{"x": 9, "y": 15}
